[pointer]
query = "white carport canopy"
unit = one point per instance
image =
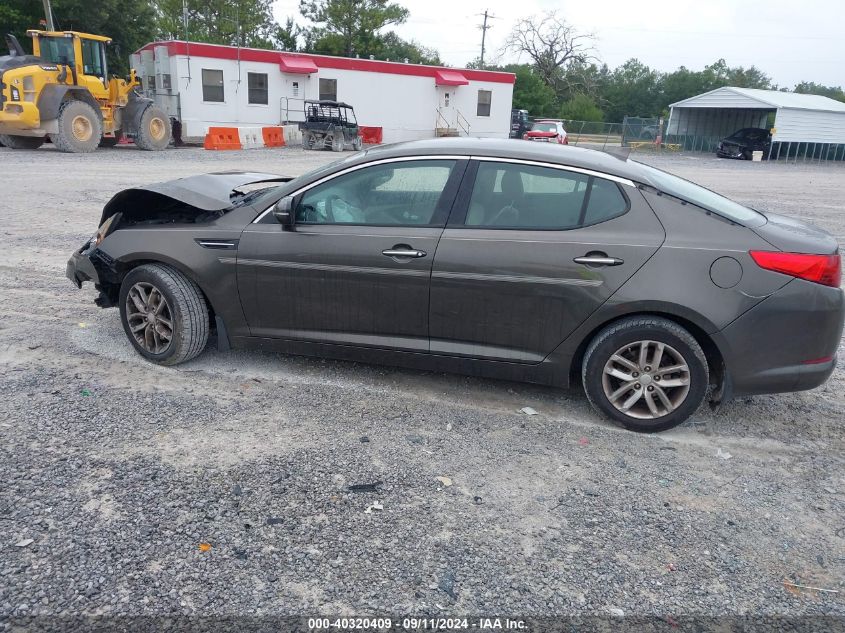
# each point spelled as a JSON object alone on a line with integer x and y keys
{"x": 799, "y": 118}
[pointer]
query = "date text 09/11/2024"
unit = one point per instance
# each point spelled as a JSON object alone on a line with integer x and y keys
{"x": 418, "y": 624}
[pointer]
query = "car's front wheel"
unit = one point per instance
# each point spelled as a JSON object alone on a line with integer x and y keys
{"x": 164, "y": 314}
{"x": 647, "y": 373}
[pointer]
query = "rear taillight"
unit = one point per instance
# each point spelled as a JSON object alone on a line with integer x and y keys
{"x": 821, "y": 269}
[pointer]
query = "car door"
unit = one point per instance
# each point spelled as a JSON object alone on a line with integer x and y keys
{"x": 355, "y": 268}
{"x": 531, "y": 251}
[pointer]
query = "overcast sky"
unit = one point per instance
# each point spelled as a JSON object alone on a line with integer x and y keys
{"x": 790, "y": 40}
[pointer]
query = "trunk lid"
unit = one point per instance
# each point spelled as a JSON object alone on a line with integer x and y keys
{"x": 794, "y": 236}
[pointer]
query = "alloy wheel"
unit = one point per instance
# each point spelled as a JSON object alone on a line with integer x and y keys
{"x": 149, "y": 317}
{"x": 646, "y": 379}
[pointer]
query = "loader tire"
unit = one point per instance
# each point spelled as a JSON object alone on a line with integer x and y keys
{"x": 154, "y": 130}
{"x": 21, "y": 142}
{"x": 80, "y": 128}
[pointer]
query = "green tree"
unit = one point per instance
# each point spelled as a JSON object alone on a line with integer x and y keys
{"x": 287, "y": 36}
{"x": 129, "y": 23}
{"x": 391, "y": 46}
{"x": 230, "y": 22}
{"x": 581, "y": 108}
{"x": 530, "y": 92}
{"x": 812, "y": 88}
{"x": 633, "y": 89}
{"x": 349, "y": 27}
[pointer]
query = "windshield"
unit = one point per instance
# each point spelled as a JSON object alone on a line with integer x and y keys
{"x": 703, "y": 197}
{"x": 544, "y": 127}
{"x": 58, "y": 50}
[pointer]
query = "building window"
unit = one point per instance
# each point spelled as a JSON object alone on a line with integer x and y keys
{"x": 295, "y": 88}
{"x": 212, "y": 85}
{"x": 484, "y": 99}
{"x": 328, "y": 89}
{"x": 257, "y": 88}
{"x": 164, "y": 81}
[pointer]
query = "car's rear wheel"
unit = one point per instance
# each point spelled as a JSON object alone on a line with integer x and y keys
{"x": 647, "y": 373}
{"x": 164, "y": 314}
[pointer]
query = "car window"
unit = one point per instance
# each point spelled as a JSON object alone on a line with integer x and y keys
{"x": 402, "y": 193}
{"x": 520, "y": 196}
{"x": 544, "y": 127}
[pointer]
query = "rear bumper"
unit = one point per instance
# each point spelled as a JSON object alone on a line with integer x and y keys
{"x": 787, "y": 342}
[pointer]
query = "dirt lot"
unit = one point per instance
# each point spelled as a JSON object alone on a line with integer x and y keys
{"x": 118, "y": 470}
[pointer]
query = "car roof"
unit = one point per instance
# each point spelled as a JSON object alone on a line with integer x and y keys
{"x": 511, "y": 148}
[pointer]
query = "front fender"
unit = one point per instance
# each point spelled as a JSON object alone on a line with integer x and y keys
{"x": 212, "y": 270}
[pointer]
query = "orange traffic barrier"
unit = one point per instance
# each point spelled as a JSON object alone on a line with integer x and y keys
{"x": 222, "y": 138}
{"x": 370, "y": 135}
{"x": 273, "y": 136}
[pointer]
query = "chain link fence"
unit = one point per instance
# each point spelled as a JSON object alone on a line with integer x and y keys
{"x": 593, "y": 134}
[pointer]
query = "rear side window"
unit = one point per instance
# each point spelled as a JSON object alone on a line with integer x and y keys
{"x": 515, "y": 196}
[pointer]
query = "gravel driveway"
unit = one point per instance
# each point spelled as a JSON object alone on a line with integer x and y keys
{"x": 222, "y": 487}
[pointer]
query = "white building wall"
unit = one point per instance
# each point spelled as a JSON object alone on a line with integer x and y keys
{"x": 404, "y": 106}
{"x": 809, "y": 126}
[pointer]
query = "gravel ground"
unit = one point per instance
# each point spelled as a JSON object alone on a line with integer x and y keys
{"x": 117, "y": 473}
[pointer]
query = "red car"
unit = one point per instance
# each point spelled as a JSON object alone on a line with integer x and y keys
{"x": 547, "y": 131}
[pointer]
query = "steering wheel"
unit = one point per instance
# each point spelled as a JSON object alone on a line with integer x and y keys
{"x": 507, "y": 209}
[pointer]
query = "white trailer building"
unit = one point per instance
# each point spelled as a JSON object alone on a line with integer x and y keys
{"x": 205, "y": 85}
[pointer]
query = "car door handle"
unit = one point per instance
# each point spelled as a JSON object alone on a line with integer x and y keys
{"x": 403, "y": 252}
{"x": 598, "y": 260}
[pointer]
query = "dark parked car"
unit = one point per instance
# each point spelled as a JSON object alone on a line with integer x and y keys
{"x": 523, "y": 262}
{"x": 742, "y": 143}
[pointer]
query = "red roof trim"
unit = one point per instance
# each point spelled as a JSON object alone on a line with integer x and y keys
{"x": 449, "y": 78}
{"x": 216, "y": 51}
{"x": 297, "y": 64}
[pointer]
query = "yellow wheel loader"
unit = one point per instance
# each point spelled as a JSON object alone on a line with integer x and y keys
{"x": 63, "y": 91}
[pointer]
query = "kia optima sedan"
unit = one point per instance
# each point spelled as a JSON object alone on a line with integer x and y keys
{"x": 532, "y": 263}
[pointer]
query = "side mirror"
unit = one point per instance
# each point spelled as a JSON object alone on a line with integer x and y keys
{"x": 283, "y": 212}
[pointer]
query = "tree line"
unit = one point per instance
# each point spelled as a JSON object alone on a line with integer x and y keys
{"x": 560, "y": 77}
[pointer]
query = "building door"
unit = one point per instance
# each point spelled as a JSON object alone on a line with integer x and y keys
{"x": 445, "y": 107}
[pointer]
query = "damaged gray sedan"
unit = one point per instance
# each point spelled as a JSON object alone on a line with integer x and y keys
{"x": 515, "y": 261}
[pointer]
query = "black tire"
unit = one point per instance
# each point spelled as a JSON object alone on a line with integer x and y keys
{"x": 187, "y": 308}
{"x": 111, "y": 141}
{"x": 747, "y": 155}
{"x": 630, "y": 331}
{"x": 80, "y": 128}
{"x": 358, "y": 144}
{"x": 21, "y": 142}
{"x": 154, "y": 130}
{"x": 307, "y": 140}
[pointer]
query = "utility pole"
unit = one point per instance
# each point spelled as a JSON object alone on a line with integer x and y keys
{"x": 484, "y": 27}
{"x": 49, "y": 13}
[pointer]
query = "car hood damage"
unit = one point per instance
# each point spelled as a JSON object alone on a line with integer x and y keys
{"x": 193, "y": 199}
